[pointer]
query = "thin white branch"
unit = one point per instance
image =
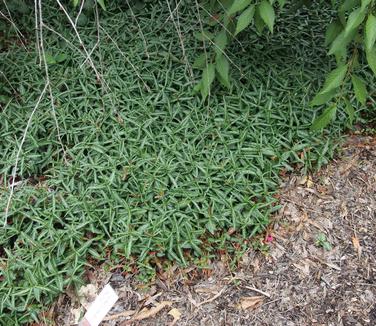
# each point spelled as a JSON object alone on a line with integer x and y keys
{"x": 19, "y": 153}
{"x": 19, "y": 34}
{"x": 99, "y": 77}
{"x": 79, "y": 13}
{"x": 139, "y": 29}
{"x": 37, "y": 32}
{"x": 181, "y": 41}
{"x": 127, "y": 59}
{"x": 10, "y": 20}
{"x": 47, "y": 76}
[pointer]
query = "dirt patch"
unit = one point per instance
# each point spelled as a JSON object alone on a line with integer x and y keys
{"x": 320, "y": 268}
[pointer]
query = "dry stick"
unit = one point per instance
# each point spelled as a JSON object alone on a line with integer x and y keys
{"x": 79, "y": 12}
{"x": 178, "y": 30}
{"x": 98, "y": 36}
{"x": 62, "y": 37}
{"x": 99, "y": 77}
{"x": 204, "y": 43}
{"x": 224, "y": 27}
{"x": 126, "y": 313}
{"x": 52, "y": 100}
{"x": 258, "y": 291}
{"x": 7, "y": 80}
{"x": 14, "y": 26}
{"x": 97, "y": 23}
{"x": 10, "y": 19}
{"x": 19, "y": 153}
{"x": 212, "y": 298}
{"x": 126, "y": 58}
{"x": 222, "y": 52}
{"x": 139, "y": 29}
{"x": 37, "y": 33}
{"x": 173, "y": 12}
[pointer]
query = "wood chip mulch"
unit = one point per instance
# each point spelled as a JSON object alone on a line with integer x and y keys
{"x": 320, "y": 268}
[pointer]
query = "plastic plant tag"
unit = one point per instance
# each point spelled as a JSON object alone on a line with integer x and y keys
{"x": 100, "y": 307}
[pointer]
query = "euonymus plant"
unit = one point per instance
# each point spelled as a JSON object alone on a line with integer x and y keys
{"x": 350, "y": 35}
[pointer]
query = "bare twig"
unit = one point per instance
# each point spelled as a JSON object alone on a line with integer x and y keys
{"x": 139, "y": 29}
{"x": 126, "y": 313}
{"x": 79, "y": 12}
{"x": 63, "y": 38}
{"x": 99, "y": 77}
{"x": 37, "y": 32}
{"x": 258, "y": 291}
{"x": 181, "y": 41}
{"x": 11, "y": 21}
{"x": 213, "y": 297}
{"x": 127, "y": 59}
{"x": 98, "y": 35}
{"x": 43, "y": 53}
{"x": 19, "y": 153}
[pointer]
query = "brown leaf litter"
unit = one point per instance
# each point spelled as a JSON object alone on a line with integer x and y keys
{"x": 297, "y": 282}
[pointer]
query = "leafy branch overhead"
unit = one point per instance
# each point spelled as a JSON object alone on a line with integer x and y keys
{"x": 349, "y": 37}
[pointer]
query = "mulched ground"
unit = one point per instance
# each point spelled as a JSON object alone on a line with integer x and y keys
{"x": 295, "y": 282}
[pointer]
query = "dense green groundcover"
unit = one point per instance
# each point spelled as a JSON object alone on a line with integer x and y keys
{"x": 149, "y": 167}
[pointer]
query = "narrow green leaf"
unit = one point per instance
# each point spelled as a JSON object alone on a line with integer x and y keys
{"x": 322, "y": 98}
{"x": 197, "y": 87}
{"x": 370, "y": 32}
{"x": 203, "y": 35}
{"x": 50, "y": 59}
{"x": 281, "y": 3}
{"x": 360, "y": 89}
{"x": 334, "y": 79}
{"x": 207, "y": 79}
{"x": 348, "y": 5}
{"x": 371, "y": 59}
{"x": 223, "y": 67}
{"x": 101, "y": 3}
{"x": 349, "y": 110}
{"x": 220, "y": 42}
{"x": 267, "y": 14}
{"x": 325, "y": 118}
{"x": 201, "y": 61}
{"x": 332, "y": 31}
{"x": 210, "y": 226}
{"x": 365, "y": 3}
{"x": 61, "y": 57}
{"x": 245, "y": 19}
{"x": 259, "y": 23}
{"x": 341, "y": 42}
{"x": 238, "y": 5}
{"x": 75, "y": 3}
{"x": 354, "y": 20}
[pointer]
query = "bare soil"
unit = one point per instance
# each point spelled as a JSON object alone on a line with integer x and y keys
{"x": 297, "y": 279}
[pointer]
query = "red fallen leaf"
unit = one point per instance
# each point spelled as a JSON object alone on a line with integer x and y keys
{"x": 269, "y": 238}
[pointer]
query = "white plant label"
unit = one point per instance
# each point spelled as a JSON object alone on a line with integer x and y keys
{"x": 100, "y": 307}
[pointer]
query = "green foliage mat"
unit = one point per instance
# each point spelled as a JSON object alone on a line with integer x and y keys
{"x": 148, "y": 171}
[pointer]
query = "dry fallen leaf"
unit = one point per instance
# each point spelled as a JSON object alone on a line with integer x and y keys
{"x": 76, "y": 315}
{"x": 357, "y": 246}
{"x": 176, "y": 314}
{"x": 303, "y": 266}
{"x": 250, "y": 302}
{"x": 87, "y": 294}
{"x": 125, "y": 313}
{"x": 147, "y": 313}
{"x": 309, "y": 182}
